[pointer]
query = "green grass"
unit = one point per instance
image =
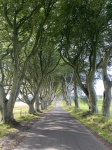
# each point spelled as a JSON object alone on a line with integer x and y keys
{"x": 4, "y": 129}
{"x": 84, "y": 106}
{"x": 98, "y": 123}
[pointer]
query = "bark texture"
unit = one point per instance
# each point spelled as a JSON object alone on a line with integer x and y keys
{"x": 31, "y": 108}
{"x": 3, "y": 103}
{"x": 75, "y": 94}
{"x": 107, "y": 85}
{"x": 92, "y": 101}
{"x": 37, "y": 104}
{"x": 12, "y": 99}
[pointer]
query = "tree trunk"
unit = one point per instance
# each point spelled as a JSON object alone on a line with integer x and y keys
{"x": 75, "y": 94}
{"x": 64, "y": 92}
{"x": 45, "y": 104}
{"x": 68, "y": 80}
{"x": 65, "y": 97}
{"x": 107, "y": 85}
{"x": 13, "y": 96}
{"x": 50, "y": 101}
{"x": 106, "y": 100}
{"x": 92, "y": 101}
{"x": 82, "y": 86}
{"x": 37, "y": 103}
{"x": 31, "y": 108}
{"x": 3, "y": 103}
{"x": 42, "y": 105}
{"x": 30, "y": 103}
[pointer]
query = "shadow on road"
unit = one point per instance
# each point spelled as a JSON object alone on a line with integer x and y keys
{"x": 60, "y": 131}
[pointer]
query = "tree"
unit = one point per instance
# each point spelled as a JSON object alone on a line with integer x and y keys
{"x": 107, "y": 62}
{"x": 81, "y": 35}
{"x": 107, "y": 84}
{"x": 20, "y": 29}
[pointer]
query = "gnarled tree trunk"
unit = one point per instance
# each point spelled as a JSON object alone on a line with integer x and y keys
{"x": 82, "y": 86}
{"x": 92, "y": 101}
{"x": 64, "y": 91}
{"x": 75, "y": 93}
{"x": 3, "y": 103}
{"x": 31, "y": 107}
{"x": 107, "y": 85}
{"x": 37, "y": 102}
{"x": 12, "y": 99}
{"x": 106, "y": 100}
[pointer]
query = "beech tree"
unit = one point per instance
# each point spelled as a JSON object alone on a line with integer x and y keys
{"x": 81, "y": 35}
{"x": 27, "y": 17}
{"x": 107, "y": 84}
{"x": 107, "y": 61}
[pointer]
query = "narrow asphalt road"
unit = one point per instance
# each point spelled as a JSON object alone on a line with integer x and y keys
{"x": 57, "y": 130}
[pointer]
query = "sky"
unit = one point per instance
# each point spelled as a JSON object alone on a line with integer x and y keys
{"x": 99, "y": 87}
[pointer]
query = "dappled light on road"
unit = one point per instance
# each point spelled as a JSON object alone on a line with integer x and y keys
{"x": 60, "y": 131}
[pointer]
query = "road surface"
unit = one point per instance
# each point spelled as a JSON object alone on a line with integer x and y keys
{"x": 58, "y": 130}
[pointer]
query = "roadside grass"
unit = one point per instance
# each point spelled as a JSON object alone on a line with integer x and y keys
{"x": 100, "y": 124}
{"x": 84, "y": 106}
{"x": 21, "y": 115}
{"x": 4, "y": 129}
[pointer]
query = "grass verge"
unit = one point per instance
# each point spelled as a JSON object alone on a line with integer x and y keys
{"x": 96, "y": 122}
{"x": 21, "y": 115}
